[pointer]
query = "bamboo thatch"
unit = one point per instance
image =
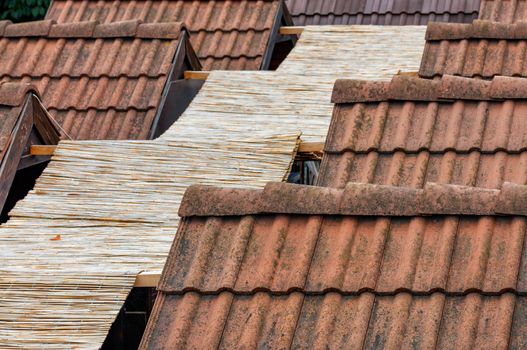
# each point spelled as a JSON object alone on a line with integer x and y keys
{"x": 297, "y": 96}
{"x": 104, "y": 211}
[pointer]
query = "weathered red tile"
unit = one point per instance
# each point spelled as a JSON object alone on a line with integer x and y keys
{"x": 481, "y": 49}
{"x": 507, "y": 11}
{"x": 75, "y": 65}
{"x": 298, "y": 321}
{"x": 232, "y": 35}
{"x": 384, "y": 12}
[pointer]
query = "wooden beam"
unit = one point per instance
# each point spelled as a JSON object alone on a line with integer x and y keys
{"x": 311, "y": 147}
{"x": 198, "y": 75}
{"x": 410, "y": 74}
{"x": 147, "y": 279}
{"x": 42, "y": 150}
{"x": 291, "y": 30}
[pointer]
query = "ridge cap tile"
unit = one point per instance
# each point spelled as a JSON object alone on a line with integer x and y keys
{"x": 73, "y": 29}
{"x": 117, "y": 29}
{"x": 449, "y": 87}
{"x": 512, "y": 199}
{"x": 29, "y": 29}
{"x": 453, "y": 199}
{"x": 165, "y": 30}
{"x": 365, "y": 199}
{"x": 478, "y": 29}
{"x": 14, "y": 94}
{"x": 356, "y": 199}
{"x": 3, "y": 25}
{"x": 92, "y": 29}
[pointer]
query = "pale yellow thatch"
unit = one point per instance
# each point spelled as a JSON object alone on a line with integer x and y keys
{"x": 114, "y": 204}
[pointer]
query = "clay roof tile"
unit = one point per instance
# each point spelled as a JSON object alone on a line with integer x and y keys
{"x": 73, "y": 30}
{"x": 29, "y": 29}
{"x": 14, "y": 94}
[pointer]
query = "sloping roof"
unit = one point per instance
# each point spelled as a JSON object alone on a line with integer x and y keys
{"x": 481, "y": 49}
{"x": 411, "y": 131}
{"x": 23, "y": 122}
{"x": 233, "y": 35}
{"x": 299, "y": 91}
{"x": 100, "y": 81}
{"x": 299, "y": 266}
{"x": 508, "y": 11}
{"x": 111, "y": 191}
{"x": 381, "y": 12}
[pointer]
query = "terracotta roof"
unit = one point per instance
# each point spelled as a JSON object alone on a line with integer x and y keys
{"x": 281, "y": 276}
{"x": 100, "y": 81}
{"x": 403, "y": 321}
{"x": 481, "y": 49}
{"x": 508, "y": 11}
{"x": 411, "y": 131}
{"x": 381, "y": 12}
{"x": 356, "y": 199}
{"x": 232, "y": 35}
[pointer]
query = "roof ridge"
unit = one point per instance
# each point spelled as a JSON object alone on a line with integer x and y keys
{"x": 379, "y": 13}
{"x": 357, "y": 199}
{"x": 449, "y": 87}
{"x": 13, "y": 94}
{"x": 338, "y": 290}
{"x": 92, "y": 29}
{"x": 478, "y": 29}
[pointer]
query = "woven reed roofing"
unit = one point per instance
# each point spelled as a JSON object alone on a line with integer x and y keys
{"x": 114, "y": 204}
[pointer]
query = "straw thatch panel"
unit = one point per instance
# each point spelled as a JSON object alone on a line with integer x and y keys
{"x": 297, "y": 96}
{"x": 105, "y": 210}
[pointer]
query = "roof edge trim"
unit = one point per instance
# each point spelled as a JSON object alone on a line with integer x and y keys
{"x": 449, "y": 87}
{"x": 92, "y": 29}
{"x": 357, "y": 199}
{"x": 478, "y": 29}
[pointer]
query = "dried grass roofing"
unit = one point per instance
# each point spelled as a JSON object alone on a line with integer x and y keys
{"x": 114, "y": 204}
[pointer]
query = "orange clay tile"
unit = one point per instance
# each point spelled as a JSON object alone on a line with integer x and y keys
{"x": 99, "y": 81}
{"x": 381, "y": 12}
{"x": 227, "y": 35}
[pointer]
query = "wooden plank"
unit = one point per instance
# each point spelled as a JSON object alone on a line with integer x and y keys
{"x": 410, "y": 74}
{"x": 147, "y": 279}
{"x": 15, "y": 148}
{"x": 199, "y": 75}
{"x": 311, "y": 147}
{"x": 291, "y": 30}
{"x": 42, "y": 150}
